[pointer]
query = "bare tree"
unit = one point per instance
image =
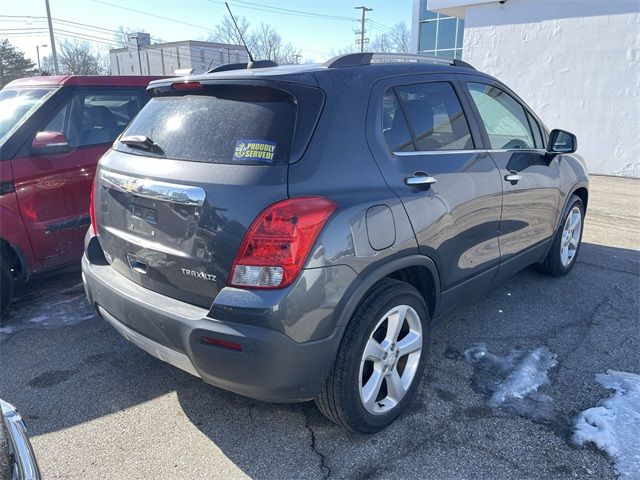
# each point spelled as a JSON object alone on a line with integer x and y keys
{"x": 400, "y": 38}
{"x": 121, "y": 37}
{"x": 264, "y": 42}
{"x": 226, "y": 32}
{"x": 79, "y": 58}
{"x": 397, "y": 40}
{"x": 352, "y": 48}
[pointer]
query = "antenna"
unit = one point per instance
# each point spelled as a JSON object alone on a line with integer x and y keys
{"x": 239, "y": 33}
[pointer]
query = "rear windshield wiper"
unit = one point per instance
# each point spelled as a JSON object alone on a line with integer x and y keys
{"x": 143, "y": 143}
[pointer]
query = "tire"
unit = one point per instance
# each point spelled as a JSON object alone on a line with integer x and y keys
{"x": 342, "y": 398}
{"x": 6, "y": 287}
{"x": 556, "y": 263}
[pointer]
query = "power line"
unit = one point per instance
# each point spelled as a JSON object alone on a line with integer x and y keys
{"x": 287, "y": 11}
{"x": 152, "y": 15}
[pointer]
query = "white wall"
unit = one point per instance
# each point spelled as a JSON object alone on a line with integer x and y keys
{"x": 576, "y": 63}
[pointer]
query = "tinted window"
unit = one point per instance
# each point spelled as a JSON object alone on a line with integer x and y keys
{"x": 436, "y": 116}
{"x": 225, "y": 125}
{"x": 94, "y": 117}
{"x": 535, "y": 128}
{"x": 503, "y": 117}
{"x": 394, "y": 126}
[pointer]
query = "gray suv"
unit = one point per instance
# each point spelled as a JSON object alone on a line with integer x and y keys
{"x": 295, "y": 232}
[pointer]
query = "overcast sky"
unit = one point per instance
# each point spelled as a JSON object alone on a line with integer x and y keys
{"x": 314, "y": 26}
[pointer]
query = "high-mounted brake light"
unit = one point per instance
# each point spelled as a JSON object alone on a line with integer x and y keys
{"x": 187, "y": 86}
{"x": 278, "y": 242}
{"x": 92, "y": 210}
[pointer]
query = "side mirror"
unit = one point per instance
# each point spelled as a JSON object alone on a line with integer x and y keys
{"x": 49, "y": 142}
{"x": 561, "y": 141}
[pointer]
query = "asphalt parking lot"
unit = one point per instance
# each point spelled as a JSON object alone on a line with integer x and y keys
{"x": 98, "y": 407}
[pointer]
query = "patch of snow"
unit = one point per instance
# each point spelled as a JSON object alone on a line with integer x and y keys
{"x": 6, "y": 330}
{"x": 512, "y": 382}
{"x": 54, "y": 301}
{"x": 613, "y": 425}
{"x": 39, "y": 319}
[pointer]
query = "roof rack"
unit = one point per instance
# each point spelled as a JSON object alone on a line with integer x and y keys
{"x": 357, "y": 59}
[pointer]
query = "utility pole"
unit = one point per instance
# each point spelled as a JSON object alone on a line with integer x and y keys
{"x": 38, "y": 54}
{"x": 52, "y": 39}
{"x": 362, "y": 30}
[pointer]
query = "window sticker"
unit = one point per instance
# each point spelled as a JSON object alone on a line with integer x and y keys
{"x": 258, "y": 150}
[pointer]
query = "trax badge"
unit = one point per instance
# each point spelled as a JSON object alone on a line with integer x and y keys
{"x": 202, "y": 275}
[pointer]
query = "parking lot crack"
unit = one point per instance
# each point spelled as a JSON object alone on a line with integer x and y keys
{"x": 604, "y": 267}
{"x": 324, "y": 468}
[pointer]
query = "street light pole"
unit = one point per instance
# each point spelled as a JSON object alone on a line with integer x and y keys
{"x": 52, "y": 39}
{"x": 138, "y": 49}
{"x": 38, "y": 55}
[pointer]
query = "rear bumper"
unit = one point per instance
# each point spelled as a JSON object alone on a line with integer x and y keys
{"x": 271, "y": 367}
{"x": 25, "y": 465}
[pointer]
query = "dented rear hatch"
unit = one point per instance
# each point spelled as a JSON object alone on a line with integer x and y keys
{"x": 175, "y": 196}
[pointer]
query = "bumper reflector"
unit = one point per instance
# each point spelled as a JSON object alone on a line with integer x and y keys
{"x": 218, "y": 342}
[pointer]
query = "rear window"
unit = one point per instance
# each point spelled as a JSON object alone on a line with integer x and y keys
{"x": 224, "y": 124}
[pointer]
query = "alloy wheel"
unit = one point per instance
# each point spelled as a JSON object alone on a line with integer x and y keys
{"x": 571, "y": 236}
{"x": 390, "y": 360}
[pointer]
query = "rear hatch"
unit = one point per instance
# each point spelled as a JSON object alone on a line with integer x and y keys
{"x": 175, "y": 196}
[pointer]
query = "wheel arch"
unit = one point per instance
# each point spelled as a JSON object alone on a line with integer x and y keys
{"x": 12, "y": 255}
{"x": 419, "y": 271}
{"x": 583, "y": 193}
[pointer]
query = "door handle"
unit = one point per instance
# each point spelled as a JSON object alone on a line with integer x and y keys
{"x": 513, "y": 177}
{"x": 420, "y": 179}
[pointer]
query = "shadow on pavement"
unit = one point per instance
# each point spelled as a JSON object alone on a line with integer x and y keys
{"x": 61, "y": 377}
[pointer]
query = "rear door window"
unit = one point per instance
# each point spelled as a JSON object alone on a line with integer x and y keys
{"x": 503, "y": 117}
{"x": 435, "y": 116}
{"x": 95, "y": 116}
{"x": 394, "y": 125}
{"x": 224, "y": 124}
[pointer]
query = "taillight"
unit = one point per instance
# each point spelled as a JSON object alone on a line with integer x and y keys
{"x": 92, "y": 210}
{"x": 278, "y": 242}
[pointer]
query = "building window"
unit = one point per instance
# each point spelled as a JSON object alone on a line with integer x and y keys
{"x": 440, "y": 35}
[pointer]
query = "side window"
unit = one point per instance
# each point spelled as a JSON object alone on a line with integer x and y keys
{"x": 394, "y": 126}
{"x": 535, "y": 128}
{"x": 504, "y": 118}
{"x": 436, "y": 116}
{"x": 94, "y": 117}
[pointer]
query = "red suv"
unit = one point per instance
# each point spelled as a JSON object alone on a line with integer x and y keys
{"x": 53, "y": 131}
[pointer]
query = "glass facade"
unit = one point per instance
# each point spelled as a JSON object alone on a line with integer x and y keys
{"x": 440, "y": 36}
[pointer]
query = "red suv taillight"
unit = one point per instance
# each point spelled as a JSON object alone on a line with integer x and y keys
{"x": 92, "y": 210}
{"x": 278, "y": 242}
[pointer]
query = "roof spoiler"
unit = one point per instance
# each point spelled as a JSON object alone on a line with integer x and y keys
{"x": 241, "y": 66}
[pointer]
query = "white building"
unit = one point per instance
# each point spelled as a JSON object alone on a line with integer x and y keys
{"x": 575, "y": 62}
{"x": 140, "y": 57}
